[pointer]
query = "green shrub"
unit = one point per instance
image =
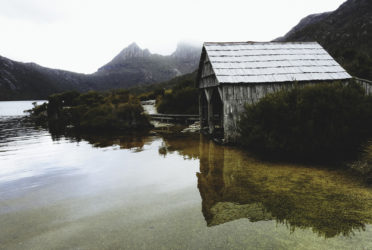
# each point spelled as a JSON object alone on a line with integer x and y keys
{"x": 151, "y": 95}
{"x": 91, "y": 98}
{"x": 363, "y": 165}
{"x": 327, "y": 121}
{"x": 104, "y": 112}
{"x": 180, "y": 101}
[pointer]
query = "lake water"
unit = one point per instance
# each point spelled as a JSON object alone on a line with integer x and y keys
{"x": 166, "y": 191}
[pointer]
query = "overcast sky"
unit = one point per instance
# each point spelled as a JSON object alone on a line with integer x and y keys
{"x": 82, "y": 35}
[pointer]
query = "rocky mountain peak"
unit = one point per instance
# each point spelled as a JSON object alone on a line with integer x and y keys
{"x": 132, "y": 51}
{"x": 127, "y": 55}
{"x": 186, "y": 51}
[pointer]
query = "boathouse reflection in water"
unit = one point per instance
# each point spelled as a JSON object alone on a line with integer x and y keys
{"x": 234, "y": 186}
{"x": 222, "y": 199}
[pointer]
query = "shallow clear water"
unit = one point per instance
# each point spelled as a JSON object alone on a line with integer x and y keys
{"x": 167, "y": 191}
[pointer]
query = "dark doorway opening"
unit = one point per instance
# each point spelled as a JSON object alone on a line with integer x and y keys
{"x": 217, "y": 104}
{"x": 203, "y": 111}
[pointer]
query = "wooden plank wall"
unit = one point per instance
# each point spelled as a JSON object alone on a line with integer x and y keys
{"x": 367, "y": 85}
{"x": 208, "y": 78}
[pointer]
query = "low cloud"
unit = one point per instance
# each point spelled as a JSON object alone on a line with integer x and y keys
{"x": 39, "y": 11}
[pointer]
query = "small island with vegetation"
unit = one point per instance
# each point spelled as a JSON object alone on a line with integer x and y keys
{"x": 103, "y": 112}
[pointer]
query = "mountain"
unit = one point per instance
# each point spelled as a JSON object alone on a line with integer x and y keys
{"x": 186, "y": 80}
{"x": 131, "y": 67}
{"x": 185, "y": 57}
{"x": 345, "y": 33}
{"x": 310, "y": 19}
{"x": 134, "y": 65}
{"x": 30, "y": 81}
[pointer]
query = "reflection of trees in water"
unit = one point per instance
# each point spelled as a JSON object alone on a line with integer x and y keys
{"x": 132, "y": 141}
{"x": 185, "y": 145}
{"x": 14, "y": 128}
{"x": 234, "y": 186}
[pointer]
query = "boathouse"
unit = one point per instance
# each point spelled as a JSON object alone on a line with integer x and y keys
{"x": 232, "y": 74}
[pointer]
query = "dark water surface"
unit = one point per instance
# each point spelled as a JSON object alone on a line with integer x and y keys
{"x": 166, "y": 191}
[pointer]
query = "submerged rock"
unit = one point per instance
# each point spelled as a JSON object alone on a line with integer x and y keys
{"x": 193, "y": 128}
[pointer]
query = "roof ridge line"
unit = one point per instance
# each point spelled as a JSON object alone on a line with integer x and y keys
{"x": 296, "y": 66}
{"x": 274, "y": 74}
{"x": 252, "y": 42}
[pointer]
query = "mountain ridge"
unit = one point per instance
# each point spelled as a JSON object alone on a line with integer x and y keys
{"x": 310, "y": 19}
{"x": 132, "y": 66}
{"x": 183, "y": 60}
{"x": 345, "y": 33}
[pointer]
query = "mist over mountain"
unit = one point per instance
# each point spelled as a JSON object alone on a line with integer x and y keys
{"x": 135, "y": 65}
{"x": 346, "y": 33}
{"x": 185, "y": 57}
{"x": 132, "y": 66}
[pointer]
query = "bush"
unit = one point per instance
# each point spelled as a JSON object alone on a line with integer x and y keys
{"x": 151, "y": 95}
{"x": 180, "y": 101}
{"x": 363, "y": 165}
{"x": 327, "y": 121}
{"x": 106, "y": 112}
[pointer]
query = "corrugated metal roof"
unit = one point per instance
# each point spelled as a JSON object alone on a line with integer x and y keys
{"x": 249, "y": 62}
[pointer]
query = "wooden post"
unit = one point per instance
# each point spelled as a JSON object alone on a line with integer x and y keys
{"x": 210, "y": 118}
{"x": 201, "y": 115}
{"x": 220, "y": 91}
{"x": 208, "y": 94}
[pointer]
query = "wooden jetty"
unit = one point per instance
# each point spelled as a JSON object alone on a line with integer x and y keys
{"x": 175, "y": 118}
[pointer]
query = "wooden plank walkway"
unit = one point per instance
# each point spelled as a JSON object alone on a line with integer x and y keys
{"x": 175, "y": 118}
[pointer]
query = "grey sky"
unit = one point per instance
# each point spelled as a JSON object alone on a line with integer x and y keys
{"x": 82, "y": 35}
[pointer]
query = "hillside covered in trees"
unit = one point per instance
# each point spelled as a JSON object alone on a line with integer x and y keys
{"x": 345, "y": 33}
{"x": 132, "y": 67}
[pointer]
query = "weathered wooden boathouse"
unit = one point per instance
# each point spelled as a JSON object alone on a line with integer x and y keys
{"x": 232, "y": 74}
